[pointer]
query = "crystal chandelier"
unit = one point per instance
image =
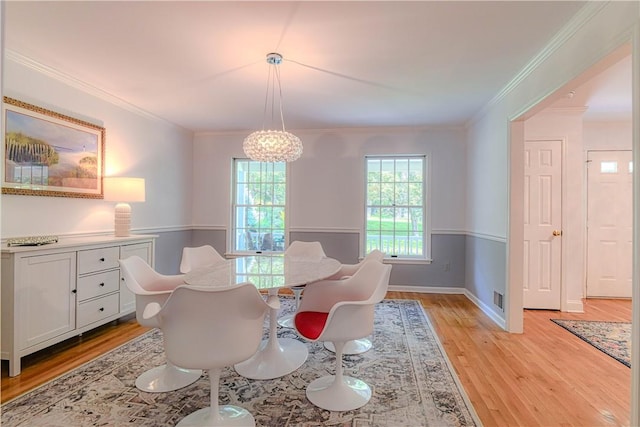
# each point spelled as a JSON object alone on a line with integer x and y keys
{"x": 273, "y": 145}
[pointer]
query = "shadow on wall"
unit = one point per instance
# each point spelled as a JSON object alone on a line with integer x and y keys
{"x": 325, "y": 145}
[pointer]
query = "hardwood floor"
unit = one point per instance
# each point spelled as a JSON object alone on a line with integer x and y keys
{"x": 543, "y": 377}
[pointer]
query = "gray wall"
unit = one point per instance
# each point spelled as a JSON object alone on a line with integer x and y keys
{"x": 485, "y": 268}
{"x": 169, "y": 250}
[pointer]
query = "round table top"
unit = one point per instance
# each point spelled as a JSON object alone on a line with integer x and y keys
{"x": 264, "y": 271}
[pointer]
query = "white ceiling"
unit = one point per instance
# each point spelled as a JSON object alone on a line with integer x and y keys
{"x": 202, "y": 64}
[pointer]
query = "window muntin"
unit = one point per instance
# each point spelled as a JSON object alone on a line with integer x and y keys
{"x": 260, "y": 190}
{"x": 395, "y": 214}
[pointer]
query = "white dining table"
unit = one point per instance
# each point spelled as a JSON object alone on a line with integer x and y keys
{"x": 275, "y": 357}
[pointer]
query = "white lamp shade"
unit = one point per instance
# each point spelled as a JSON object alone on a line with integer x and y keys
{"x": 123, "y": 189}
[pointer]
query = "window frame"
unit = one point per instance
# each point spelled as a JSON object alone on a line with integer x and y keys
{"x": 426, "y": 208}
{"x": 231, "y": 241}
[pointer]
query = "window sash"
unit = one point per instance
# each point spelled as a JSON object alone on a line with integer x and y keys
{"x": 395, "y": 210}
{"x": 259, "y": 206}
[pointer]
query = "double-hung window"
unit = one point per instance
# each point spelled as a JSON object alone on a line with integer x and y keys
{"x": 259, "y": 201}
{"x": 395, "y": 217}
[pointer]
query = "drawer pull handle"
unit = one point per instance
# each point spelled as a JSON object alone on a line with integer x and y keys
{"x": 102, "y": 259}
{"x": 101, "y": 284}
{"x": 101, "y": 308}
{"x": 74, "y": 291}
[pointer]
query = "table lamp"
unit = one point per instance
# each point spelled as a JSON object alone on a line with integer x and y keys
{"x": 123, "y": 190}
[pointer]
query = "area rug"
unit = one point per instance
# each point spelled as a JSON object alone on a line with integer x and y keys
{"x": 412, "y": 381}
{"x": 612, "y": 338}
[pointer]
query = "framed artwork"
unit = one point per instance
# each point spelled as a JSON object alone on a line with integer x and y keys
{"x": 50, "y": 154}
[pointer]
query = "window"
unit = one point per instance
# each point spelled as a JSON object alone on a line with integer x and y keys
{"x": 396, "y": 212}
{"x": 259, "y": 206}
{"x": 608, "y": 167}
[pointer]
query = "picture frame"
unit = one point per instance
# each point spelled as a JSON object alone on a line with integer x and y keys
{"x": 46, "y": 153}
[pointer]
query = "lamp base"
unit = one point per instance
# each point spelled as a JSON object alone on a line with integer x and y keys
{"x": 122, "y": 220}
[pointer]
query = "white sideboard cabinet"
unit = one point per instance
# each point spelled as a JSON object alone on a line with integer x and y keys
{"x": 54, "y": 292}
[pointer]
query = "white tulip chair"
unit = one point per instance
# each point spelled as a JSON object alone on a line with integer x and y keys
{"x": 150, "y": 286}
{"x": 197, "y": 257}
{"x": 361, "y": 345}
{"x": 340, "y": 311}
{"x": 212, "y": 328}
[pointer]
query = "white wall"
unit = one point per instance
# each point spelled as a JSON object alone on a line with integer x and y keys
{"x": 327, "y": 182}
{"x": 136, "y": 145}
{"x": 607, "y": 135}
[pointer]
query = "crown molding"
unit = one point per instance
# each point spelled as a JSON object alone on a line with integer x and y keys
{"x": 69, "y": 80}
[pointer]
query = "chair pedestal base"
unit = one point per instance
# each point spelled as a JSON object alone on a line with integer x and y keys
{"x": 359, "y": 346}
{"x": 275, "y": 358}
{"x": 166, "y": 378}
{"x": 346, "y": 395}
{"x": 229, "y": 416}
{"x": 286, "y": 321}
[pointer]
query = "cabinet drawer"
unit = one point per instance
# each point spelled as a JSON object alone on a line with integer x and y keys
{"x": 95, "y": 285}
{"x": 98, "y": 309}
{"x": 93, "y": 260}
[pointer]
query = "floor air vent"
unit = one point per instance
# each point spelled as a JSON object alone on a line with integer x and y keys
{"x": 497, "y": 300}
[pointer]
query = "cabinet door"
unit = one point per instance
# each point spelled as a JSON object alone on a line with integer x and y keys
{"x": 46, "y": 301}
{"x": 144, "y": 251}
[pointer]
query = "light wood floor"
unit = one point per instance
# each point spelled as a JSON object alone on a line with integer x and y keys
{"x": 544, "y": 377}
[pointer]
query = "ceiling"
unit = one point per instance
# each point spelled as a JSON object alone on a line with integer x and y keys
{"x": 201, "y": 65}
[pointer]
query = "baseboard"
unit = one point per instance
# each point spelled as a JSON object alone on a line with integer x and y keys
{"x": 574, "y": 306}
{"x": 497, "y": 318}
{"x": 427, "y": 289}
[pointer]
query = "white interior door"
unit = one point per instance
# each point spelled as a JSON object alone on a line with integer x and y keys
{"x": 609, "y": 223}
{"x": 542, "y": 224}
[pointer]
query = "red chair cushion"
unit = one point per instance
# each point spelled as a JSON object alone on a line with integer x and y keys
{"x": 310, "y": 323}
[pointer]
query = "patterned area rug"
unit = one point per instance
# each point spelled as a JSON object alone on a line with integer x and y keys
{"x": 612, "y": 338}
{"x": 412, "y": 382}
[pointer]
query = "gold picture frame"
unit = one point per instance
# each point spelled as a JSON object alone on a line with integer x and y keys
{"x": 50, "y": 154}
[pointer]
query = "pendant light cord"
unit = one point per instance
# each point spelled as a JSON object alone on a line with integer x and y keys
{"x": 273, "y": 77}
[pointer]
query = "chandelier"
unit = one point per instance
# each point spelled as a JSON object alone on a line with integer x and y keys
{"x": 273, "y": 145}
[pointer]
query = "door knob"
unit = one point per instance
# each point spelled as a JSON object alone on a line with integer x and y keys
{"x": 557, "y": 232}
